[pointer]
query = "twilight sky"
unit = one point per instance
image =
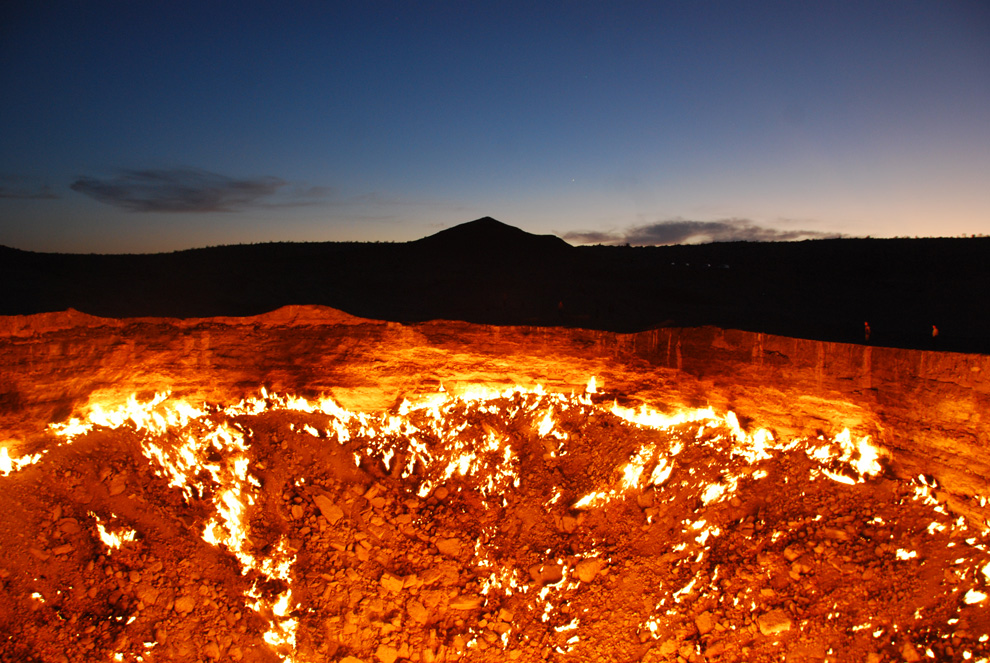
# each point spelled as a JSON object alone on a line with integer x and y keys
{"x": 156, "y": 126}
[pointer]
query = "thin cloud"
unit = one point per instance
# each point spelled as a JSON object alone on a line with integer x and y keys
{"x": 13, "y": 187}
{"x": 593, "y": 237}
{"x": 680, "y": 231}
{"x": 192, "y": 190}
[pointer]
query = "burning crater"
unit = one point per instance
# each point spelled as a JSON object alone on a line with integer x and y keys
{"x": 306, "y": 486}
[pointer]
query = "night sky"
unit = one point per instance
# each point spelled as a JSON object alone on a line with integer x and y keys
{"x": 146, "y": 127}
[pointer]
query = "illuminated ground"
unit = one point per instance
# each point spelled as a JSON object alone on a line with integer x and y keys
{"x": 481, "y": 527}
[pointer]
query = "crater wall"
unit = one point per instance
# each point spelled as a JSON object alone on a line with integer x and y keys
{"x": 925, "y": 408}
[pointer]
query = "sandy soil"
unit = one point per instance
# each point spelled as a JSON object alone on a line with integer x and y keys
{"x": 524, "y": 526}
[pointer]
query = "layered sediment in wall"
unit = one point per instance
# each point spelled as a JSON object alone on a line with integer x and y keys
{"x": 925, "y": 408}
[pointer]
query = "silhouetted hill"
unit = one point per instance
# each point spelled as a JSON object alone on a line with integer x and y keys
{"x": 487, "y": 238}
{"x": 489, "y": 272}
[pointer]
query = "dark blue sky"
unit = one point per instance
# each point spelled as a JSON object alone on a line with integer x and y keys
{"x": 142, "y": 126}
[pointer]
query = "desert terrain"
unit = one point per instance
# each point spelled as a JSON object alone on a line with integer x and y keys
{"x": 497, "y": 447}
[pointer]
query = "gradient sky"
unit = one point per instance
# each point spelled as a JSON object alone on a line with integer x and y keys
{"x": 146, "y": 126}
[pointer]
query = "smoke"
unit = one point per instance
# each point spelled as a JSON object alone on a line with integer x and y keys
{"x": 190, "y": 190}
{"x": 680, "y": 231}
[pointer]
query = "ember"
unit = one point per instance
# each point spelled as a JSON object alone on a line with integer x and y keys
{"x": 484, "y": 525}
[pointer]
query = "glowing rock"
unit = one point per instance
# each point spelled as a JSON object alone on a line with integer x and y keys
{"x": 803, "y": 564}
{"x": 588, "y": 569}
{"x": 212, "y": 650}
{"x": 118, "y": 484}
{"x": 546, "y": 574}
{"x": 184, "y": 604}
{"x": 775, "y": 621}
{"x": 392, "y": 583}
{"x": 386, "y": 654}
{"x": 704, "y": 622}
{"x": 449, "y": 547}
{"x": 835, "y": 534}
{"x": 466, "y": 603}
{"x": 909, "y": 653}
{"x": 791, "y": 553}
{"x": 418, "y": 612}
{"x": 330, "y": 511}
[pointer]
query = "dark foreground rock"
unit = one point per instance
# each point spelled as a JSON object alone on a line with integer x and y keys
{"x": 487, "y": 272}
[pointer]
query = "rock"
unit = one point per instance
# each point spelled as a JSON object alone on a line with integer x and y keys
{"x": 835, "y": 534}
{"x": 184, "y": 604}
{"x": 63, "y": 550}
{"x": 392, "y": 583}
{"x": 351, "y": 659}
{"x": 386, "y": 654}
{"x": 544, "y": 574}
{"x": 69, "y": 526}
{"x": 775, "y": 621}
{"x": 551, "y": 574}
{"x": 803, "y": 564}
{"x": 449, "y": 547}
{"x": 909, "y": 653}
{"x": 147, "y": 594}
{"x": 211, "y": 650}
{"x": 791, "y": 553}
{"x": 715, "y": 650}
{"x": 704, "y": 622}
{"x": 587, "y": 570}
{"x": 330, "y": 511}
{"x": 118, "y": 484}
{"x": 466, "y": 602}
{"x": 418, "y": 612}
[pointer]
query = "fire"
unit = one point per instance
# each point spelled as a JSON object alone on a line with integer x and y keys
{"x": 8, "y": 464}
{"x": 469, "y": 447}
{"x": 113, "y": 540}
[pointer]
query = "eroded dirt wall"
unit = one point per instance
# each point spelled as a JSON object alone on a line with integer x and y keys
{"x": 925, "y": 407}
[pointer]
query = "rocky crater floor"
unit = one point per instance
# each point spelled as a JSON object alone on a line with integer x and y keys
{"x": 522, "y": 524}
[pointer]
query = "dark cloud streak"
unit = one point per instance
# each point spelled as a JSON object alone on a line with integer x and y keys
{"x": 680, "y": 231}
{"x": 185, "y": 190}
{"x": 13, "y": 187}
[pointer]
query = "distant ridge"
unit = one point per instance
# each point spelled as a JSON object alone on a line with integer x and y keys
{"x": 488, "y": 272}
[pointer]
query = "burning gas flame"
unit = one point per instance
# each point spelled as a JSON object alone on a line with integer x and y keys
{"x": 443, "y": 438}
{"x": 113, "y": 540}
{"x": 8, "y": 464}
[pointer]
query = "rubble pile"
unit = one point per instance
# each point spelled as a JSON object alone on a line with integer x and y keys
{"x": 485, "y": 526}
